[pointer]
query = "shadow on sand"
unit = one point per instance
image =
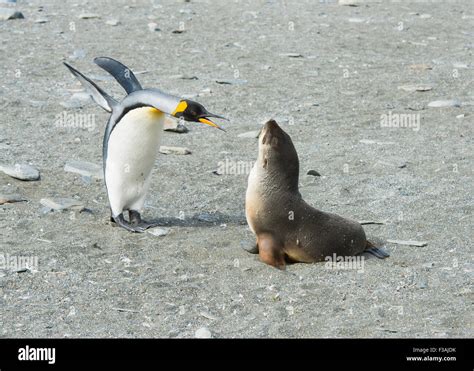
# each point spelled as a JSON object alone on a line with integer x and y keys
{"x": 200, "y": 220}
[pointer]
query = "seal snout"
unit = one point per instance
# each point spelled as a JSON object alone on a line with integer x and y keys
{"x": 271, "y": 125}
{"x": 270, "y": 130}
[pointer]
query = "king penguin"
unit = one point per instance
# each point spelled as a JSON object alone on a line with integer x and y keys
{"x": 132, "y": 138}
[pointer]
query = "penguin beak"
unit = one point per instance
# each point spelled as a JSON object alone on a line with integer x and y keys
{"x": 206, "y": 121}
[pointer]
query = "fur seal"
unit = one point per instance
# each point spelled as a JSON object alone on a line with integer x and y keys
{"x": 287, "y": 228}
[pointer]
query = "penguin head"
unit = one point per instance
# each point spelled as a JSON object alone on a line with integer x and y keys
{"x": 194, "y": 111}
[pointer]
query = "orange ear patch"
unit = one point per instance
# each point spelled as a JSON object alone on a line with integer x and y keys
{"x": 154, "y": 111}
{"x": 181, "y": 107}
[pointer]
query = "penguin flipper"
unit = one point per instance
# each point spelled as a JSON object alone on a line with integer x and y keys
{"x": 120, "y": 72}
{"x": 100, "y": 97}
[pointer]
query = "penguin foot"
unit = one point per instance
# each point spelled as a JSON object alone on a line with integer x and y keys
{"x": 134, "y": 217}
{"x": 137, "y": 221}
{"x": 120, "y": 221}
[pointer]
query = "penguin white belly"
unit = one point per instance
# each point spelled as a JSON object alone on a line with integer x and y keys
{"x": 250, "y": 201}
{"x": 131, "y": 154}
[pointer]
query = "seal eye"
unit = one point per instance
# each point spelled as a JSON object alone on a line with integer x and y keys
{"x": 267, "y": 138}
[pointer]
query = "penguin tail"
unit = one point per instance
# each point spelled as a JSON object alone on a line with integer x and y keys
{"x": 120, "y": 72}
{"x": 378, "y": 252}
{"x": 100, "y": 97}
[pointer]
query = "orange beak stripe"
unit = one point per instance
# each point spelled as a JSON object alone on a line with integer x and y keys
{"x": 209, "y": 122}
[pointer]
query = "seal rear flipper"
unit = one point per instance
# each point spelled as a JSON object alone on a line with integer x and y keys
{"x": 100, "y": 97}
{"x": 378, "y": 252}
{"x": 120, "y": 72}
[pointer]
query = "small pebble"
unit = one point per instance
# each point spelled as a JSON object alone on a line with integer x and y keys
{"x": 231, "y": 81}
{"x": 77, "y": 100}
{"x": 356, "y": 20}
{"x": 59, "y": 204}
{"x": 152, "y": 26}
{"x": 422, "y": 285}
{"x": 89, "y": 16}
{"x": 421, "y": 67}
{"x": 313, "y": 172}
{"x": 412, "y": 88}
{"x": 175, "y": 126}
{"x": 444, "y": 103}
{"x": 42, "y": 20}
{"x": 350, "y": 2}
{"x": 158, "y": 232}
{"x": 84, "y": 168}
{"x": 203, "y": 333}
{"x": 205, "y": 92}
{"x": 21, "y": 171}
{"x": 10, "y": 198}
{"x": 208, "y": 315}
{"x": 7, "y": 13}
{"x": 409, "y": 243}
{"x": 291, "y": 55}
{"x": 174, "y": 150}
{"x": 460, "y": 65}
{"x": 112, "y": 22}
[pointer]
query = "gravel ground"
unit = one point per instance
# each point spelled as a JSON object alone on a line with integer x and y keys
{"x": 335, "y": 77}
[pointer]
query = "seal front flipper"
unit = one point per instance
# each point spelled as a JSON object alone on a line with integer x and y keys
{"x": 378, "y": 252}
{"x": 100, "y": 97}
{"x": 270, "y": 250}
{"x": 120, "y": 72}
